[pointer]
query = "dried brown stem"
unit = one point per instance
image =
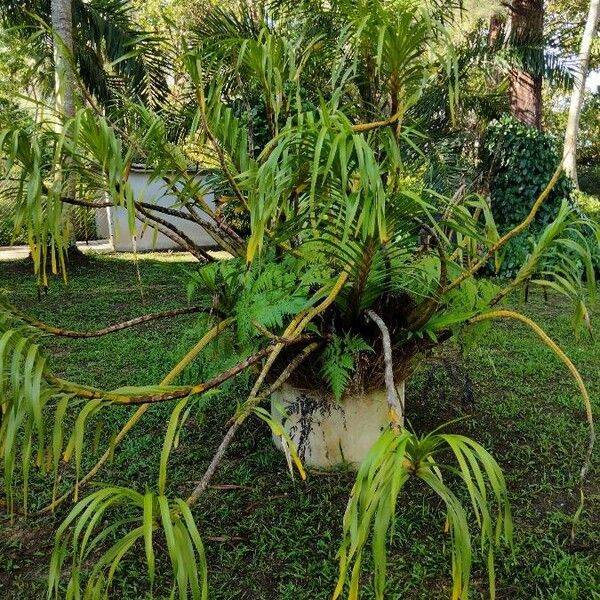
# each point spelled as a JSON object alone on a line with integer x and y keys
{"x": 173, "y": 233}
{"x": 235, "y": 246}
{"x": 206, "y": 339}
{"x": 57, "y": 331}
{"x": 173, "y": 212}
{"x": 85, "y": 203}
{"x": 174, "y": 393}
{"x": 250, "y": 403}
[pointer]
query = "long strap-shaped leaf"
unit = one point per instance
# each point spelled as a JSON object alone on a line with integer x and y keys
{"x": 553, "y": 346}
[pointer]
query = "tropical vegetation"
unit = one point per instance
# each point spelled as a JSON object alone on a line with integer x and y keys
{"x": 327, "y": 129}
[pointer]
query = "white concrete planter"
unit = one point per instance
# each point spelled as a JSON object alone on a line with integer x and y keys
{"x": 328, "y": 433}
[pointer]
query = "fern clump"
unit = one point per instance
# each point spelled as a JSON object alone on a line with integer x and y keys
{"x": 339, "y": 361}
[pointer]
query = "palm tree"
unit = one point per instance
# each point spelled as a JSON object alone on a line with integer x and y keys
{"x": 517, "y": 34}
{"x": 62, "y": 25}
{"x": 526, "y": 26}
{"x": 110, "y": 53}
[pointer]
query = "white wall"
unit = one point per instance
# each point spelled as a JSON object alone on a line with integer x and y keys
{"x": 146, "y": 237}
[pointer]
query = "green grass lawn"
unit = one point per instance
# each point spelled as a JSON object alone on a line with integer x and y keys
{"x": 269, "y": 537}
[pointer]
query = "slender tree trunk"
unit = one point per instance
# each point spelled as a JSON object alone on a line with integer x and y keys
{"x": 526, "y": 25}
{"x": 570, "y": 149}
{"x": 64, "y": 85}
{"x": 64, "y": 78}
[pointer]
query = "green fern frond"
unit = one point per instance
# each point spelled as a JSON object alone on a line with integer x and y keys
{"x": 338, "y": 361}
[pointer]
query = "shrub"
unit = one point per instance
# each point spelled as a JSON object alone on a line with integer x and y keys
{"x": 519, "y": 161}
{"x": 588, "y": 203}
{"x": 589, "y": 178}
{"x": 590, "y": 206}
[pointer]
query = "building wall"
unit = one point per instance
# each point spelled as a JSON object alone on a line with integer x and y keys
{"x": 146, "y": 237}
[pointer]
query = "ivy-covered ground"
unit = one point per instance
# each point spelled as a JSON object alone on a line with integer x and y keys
{"x": 269, "y": 537}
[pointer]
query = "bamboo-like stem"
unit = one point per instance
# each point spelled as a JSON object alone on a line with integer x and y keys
{"x": 68, "y": 333}
{"x": 509, "y": 314}
{"x": 365, "y": 127}
{"x": 137, "y": 415}
{"x": 505, "y": 291}
{"x": 395, "y": 404}
{"x": 296, "y": 327}
{"x": 197, "y": 348}
{"x": 327, "y": 302}
{"x": 170, "y": 393}
{"x": 237, "y": 422}
{"x": 511, "y": 234}
{"x": 268, "y": 334}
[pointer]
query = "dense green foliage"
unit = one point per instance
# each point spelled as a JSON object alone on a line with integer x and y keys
{"x": 588, "y": 153}
{"x": 352, "y": 253}
{"x": 527, "y": 415}
{"x": 518, "y": 161}
{"x": 521, "y": 160}
{"x": 112, "y": 55}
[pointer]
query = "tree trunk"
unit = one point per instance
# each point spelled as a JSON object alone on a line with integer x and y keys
{"x": 61, "y": 19}
{"x": 495, "y": 29}
{"x": 570, "y": 149}
{"x": 64, "y": 78}
{"x": 526, "y": 25}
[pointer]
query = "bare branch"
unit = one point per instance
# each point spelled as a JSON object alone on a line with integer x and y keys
{"x": 174, "y": 392}
{"x": 250, "y": 403}
{"x": 86, "y": 204}
{"x": 165, "y": 210}
{"x": 395, "y": 404}
{"x": 235, "y": 246}
{"x": 173, "y": 233}
{"x": 208, "y": 337}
